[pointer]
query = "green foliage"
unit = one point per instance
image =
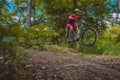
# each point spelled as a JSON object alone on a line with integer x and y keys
{"x": 110, "y": 43}
{"x": 41, "y": 30}
{"x": 58, "y": 6}
{"x": 12, "y": 64}
{"x": 110, "y": 49}
{"x": 56, "y": 49}
{"x": 91, "y": 50}
{"x": 13, "y": 32}
{"x": 113, "y": 34}
{"x": 12, "y": 61}
{"x": 39, "y": 35}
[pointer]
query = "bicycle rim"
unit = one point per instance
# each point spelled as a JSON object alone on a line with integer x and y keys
{"x": 89, "y": 37}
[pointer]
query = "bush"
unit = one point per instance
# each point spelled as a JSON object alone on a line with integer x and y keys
{"x": 40, "y": 35}
{"x": 110, "y": 49}
{"x": 108, "y": 43}
{"x": 12, "y": 61}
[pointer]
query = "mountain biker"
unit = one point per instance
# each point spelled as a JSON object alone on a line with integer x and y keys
{"x": 70, "y": 23}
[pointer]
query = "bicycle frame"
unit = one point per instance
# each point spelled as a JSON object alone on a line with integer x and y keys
{"x": 80, "y": 30}
{"x": 83, "y": 35}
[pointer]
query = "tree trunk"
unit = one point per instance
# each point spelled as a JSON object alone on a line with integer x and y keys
{"x": 119, "y": 5}
{"x": 75, "y": 3}
{"x": 28, "y": 16}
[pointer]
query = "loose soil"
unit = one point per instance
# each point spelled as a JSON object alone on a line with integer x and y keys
{"x": 54, "y": 66}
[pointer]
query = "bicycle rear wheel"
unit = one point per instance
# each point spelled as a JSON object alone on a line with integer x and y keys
{"x": 89, "y": 37}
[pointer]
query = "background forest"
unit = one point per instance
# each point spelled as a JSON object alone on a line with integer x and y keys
{"x": 38, "y": 23}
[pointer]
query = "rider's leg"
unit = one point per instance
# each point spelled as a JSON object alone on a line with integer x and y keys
{"x": 70, "y": 32}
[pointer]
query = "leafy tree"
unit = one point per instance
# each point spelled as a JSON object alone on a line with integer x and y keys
{"x": 94, "y": 12}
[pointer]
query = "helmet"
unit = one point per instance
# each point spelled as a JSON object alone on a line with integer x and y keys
{"x": 77, "y": 10}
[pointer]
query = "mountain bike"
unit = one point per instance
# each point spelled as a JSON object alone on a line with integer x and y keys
{"x": 85, "y": 35}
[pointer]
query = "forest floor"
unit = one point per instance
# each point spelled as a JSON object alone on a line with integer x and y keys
{"x": 45, "y": 65}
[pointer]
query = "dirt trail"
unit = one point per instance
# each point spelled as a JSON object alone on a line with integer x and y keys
{"x": 53, "y": 66}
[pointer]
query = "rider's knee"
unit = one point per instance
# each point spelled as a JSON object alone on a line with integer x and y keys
{"x": 71, "y": 28}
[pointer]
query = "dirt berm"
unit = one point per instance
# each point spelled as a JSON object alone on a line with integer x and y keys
{"x": 53, "y": 66}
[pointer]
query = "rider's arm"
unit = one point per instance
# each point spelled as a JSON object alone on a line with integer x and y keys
{"x": 83, "y": 21}
{"x": 71, "y": 18}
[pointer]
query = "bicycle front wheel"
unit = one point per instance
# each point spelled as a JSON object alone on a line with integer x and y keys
{"x": 89, "y": 37}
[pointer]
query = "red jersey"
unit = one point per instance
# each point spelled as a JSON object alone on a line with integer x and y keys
{"x": 74, "y": 16}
